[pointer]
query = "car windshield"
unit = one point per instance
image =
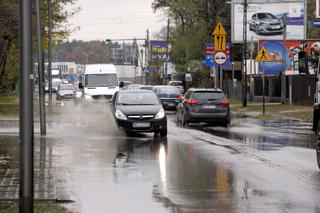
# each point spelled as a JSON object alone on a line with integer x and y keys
{"x": 66, "y": 87}
{"x": 101, "y": 80}
{"x": 56, "y": 83}
{"x": 207, "y": 95}
{"x": 137, "y": 98}
{"x": 177, "y": 83}
{"x": 266, "y": 15}
{"x": 170, "y": 90}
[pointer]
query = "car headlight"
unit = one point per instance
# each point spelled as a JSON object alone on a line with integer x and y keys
{"x": 120, "y": 115}
{"x": 160, "y": 114}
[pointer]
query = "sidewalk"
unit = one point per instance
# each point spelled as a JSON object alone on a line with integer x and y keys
{"x": 274, "y": 111}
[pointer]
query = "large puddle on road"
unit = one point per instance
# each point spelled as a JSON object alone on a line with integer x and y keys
{"x": 85, "y": 159}
{"x": 264, "y": 135}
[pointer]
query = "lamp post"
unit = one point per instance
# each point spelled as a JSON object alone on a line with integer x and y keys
{"x": 244, "y": 52}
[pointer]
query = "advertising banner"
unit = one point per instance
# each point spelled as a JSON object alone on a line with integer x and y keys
{"x": 285, "y": 56}
{"x": 160, "y": 51}
{"x": 210, "y": 53}
{"x": 265, "y": 21}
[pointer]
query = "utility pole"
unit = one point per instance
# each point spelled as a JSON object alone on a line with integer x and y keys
{"x": 244, "y": 52}
{"x": 49, "y": 55}
{"x": 167, "y": 51}
{"x": 26, "y": 175}
{"x": 40, "y": 74}
{"x": 283, "y": 76}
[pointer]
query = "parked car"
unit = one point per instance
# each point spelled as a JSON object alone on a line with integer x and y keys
{"x": 178, "y": 84}
{"x": 266, "y": 23}
{"x": 65, "y": 91}
{"x": 169, "y": 96}
{"x": 204, "y": 105}
{"x": 139, "y": 111}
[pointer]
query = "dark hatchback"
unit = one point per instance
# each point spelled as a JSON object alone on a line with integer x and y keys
{"x": 139, "y": 111}
{"x": 169, "y": 96}
{"x": 204, "y": 105}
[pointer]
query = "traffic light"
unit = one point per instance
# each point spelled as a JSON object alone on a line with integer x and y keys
{"x": 303, "y": 63}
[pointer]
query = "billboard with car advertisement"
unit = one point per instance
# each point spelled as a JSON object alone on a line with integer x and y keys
{"x": 285, "y": 57}
{"x": 266, "y": 21}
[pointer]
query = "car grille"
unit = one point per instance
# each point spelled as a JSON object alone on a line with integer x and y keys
{"x": 140, "y": 117}
{"x": 101, "y": 97}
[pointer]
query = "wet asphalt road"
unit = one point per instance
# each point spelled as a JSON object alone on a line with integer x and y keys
{"x": 252, "y": 166}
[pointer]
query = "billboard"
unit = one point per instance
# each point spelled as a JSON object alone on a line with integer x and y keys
{"x": 160, "y": 51}
{"x": 265, "y": 21}
{"x": 284, "y": 56}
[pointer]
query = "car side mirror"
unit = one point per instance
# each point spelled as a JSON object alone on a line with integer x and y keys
{"x": 80, "y": 85}
{"x": 121, "y": 84}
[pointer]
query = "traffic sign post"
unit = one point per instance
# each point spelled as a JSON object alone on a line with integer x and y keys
{"x": 220, "y": 57}
{"x": 263, "y": 56}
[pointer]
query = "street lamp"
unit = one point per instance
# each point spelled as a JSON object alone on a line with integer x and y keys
{"x": 244, "y": 53}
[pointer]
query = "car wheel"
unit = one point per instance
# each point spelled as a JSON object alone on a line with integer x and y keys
{"x": 318, "y": 143}
{"x": 164, "y": 132}
{"x": 226, "y": 123}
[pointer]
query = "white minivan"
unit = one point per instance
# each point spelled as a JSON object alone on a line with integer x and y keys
{"x": 100, "y": 81}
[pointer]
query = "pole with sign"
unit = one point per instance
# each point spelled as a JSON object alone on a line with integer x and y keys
{"x": 220, "y": 57}
{"x": 263, "y": 56}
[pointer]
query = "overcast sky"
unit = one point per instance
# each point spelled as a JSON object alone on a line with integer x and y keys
{"x": 115, "y": 19}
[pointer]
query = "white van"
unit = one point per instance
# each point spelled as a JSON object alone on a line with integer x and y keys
{"x": 100, "y": 81}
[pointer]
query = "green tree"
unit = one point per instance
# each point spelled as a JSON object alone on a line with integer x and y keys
{"x": 9, "y": 34}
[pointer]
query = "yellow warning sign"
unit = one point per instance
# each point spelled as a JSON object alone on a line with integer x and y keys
{"x": 219, "y": 30}
{"x": 263, "y": 56}
{"x": 219, "y": 34}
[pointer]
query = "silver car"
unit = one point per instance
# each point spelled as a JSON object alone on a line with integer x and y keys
{"x": 266, "y": 23}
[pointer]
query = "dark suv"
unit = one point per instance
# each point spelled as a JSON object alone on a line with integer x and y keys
{"x": 204, "y": 105}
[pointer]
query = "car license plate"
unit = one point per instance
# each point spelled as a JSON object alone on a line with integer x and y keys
{"x": 208, "y": 106}
{"x": 275, "y": 27}
{"x": 140, "y": 125}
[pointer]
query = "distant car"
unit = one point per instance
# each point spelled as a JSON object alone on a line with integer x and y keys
{"x": 55, "y": 85}
{"x": 139, "y": 111}
{"x": 65, "y": 81}
{"x": 204, "y": 105}
{"x": 266, "y": 23}
{"x": 65, "y": 91}
{"x": 178, "y": 84}
{"x": 169, "y": 96}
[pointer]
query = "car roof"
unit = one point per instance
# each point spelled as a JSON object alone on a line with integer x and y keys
{"x": 136, "y": 91}
{"x": 205, "y": 89}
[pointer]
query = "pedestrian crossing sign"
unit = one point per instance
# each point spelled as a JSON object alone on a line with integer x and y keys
{"x": 263, "y": 55}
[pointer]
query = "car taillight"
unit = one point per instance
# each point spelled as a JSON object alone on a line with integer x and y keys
{"x": 190, "y": 102}
{"x": 180, "y": 97}
{"x": 224, "y": 102}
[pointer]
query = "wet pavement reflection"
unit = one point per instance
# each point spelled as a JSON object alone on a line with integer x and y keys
{"x": 86, "y": 159}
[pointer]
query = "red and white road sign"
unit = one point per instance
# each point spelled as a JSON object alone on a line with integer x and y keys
{"x": 220, "y": 58}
